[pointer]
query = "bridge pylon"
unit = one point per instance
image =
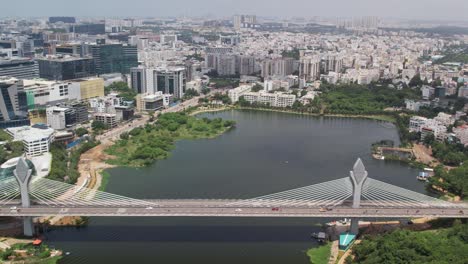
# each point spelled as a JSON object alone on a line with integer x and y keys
{"x": 23, "y": 176}
{"x": 358, "y": 177}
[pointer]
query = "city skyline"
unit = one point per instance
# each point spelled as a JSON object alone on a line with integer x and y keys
{"x": 450, "y": 10}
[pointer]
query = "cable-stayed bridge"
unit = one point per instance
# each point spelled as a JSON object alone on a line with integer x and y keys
{"x": 356, "y": 196}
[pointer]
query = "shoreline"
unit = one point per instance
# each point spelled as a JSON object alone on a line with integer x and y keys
{"x": 382, "y": 117}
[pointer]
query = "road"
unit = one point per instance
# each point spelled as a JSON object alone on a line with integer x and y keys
{"x": 228, "y": 208}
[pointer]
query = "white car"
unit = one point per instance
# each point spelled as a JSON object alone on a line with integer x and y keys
{"x": 238, "y": 210}
{"x": 149, "y": 208}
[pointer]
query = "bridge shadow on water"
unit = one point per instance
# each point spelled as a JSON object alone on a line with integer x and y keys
{"x": 185, "y": 233}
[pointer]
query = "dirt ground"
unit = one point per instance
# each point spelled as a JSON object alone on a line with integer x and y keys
{"x": 92, "y": 163}
{"x": 423, "y": 154}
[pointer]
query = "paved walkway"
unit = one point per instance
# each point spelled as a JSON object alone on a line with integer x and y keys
{"x": 334, "y": 252}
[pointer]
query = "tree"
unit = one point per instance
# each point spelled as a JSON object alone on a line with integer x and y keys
{"x": 416, "y": 81}
{"x": 122, "y": 89}
{"x": 257, "y": 87}
{"x": 124, "y": 136}
{"x": 98, "y": 126}
{"x": 429, "y": 139}
{"x": 205, "y": 90}
{"x": 81, "y": 131}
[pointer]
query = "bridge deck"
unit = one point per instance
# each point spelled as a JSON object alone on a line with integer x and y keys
{"x": 228, "y": 208}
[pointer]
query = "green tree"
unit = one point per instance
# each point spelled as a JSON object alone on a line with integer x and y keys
{"x": 257, "y": 87}
{"x": 98, "y": 126}
{"x": 81, "y": 131}
{"x": 205, "y": 90}
{"x": 416, "y": 81}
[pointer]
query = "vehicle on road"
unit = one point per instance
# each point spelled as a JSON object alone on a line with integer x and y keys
{"x": 275, "y": 209}
{"x": 325, "y": 209}
{"x": 238, "y": 210}
{"x": 149, "y": 208}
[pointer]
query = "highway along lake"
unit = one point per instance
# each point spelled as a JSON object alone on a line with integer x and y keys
{"x": 265, "y": 153}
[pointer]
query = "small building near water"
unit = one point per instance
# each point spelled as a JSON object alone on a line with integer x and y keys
{"x": 346, "y": 240}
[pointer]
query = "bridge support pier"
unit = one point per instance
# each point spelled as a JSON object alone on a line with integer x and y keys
{"x": 358, "y": 177}
{"x": 28, "y": 226}
{"x": 23, "y": 176}
{"x": 354, "y": 229}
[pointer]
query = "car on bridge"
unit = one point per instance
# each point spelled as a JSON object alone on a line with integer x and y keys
{"x": 325, "y": 209}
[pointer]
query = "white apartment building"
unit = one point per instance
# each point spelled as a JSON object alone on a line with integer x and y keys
{"x": 36, "y": 139}
{"x": 445, "y": 119}
{"x": 235, "y": 93}
{"x": 106, "y": 104}
{"x": 271, "y": 99}
{"x": 427, "y": 126}
{"x": 416, "y": 123}
{"x": 462, "y": 133}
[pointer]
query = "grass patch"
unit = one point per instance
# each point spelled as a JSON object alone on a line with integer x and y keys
{"x": 105, "y": 175}
{"x": 320, "y": 255}
{"x": 142, "y": 146}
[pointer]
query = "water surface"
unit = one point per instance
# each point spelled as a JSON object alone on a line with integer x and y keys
{"x": 266, "y": 153}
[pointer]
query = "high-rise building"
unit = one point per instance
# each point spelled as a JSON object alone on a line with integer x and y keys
{"x": 70, "y": 20}
{"x": 309, "y": 68}
{"x": 13, "y": 103}
{"x": 168, "y": 80}
{"x": 277, "y": 67}
{"x": 246, "y": 65}
{"x": 332, "y": 63}
{"x": 138, "y": 79}
{"x": 111, "y": 58}
{"x": 90, "y": 29}
{"x": 20, "y": 68}
{"x": 66, "y": 68}
{"x": 244, "y": 21}
{"x": 226, "y": 64}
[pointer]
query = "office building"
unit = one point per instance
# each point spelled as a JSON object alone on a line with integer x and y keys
{"x": 168, "y": 80}
{"x": 41, "y": 93}
{"x": 70, "y": 20}
{"x": 90, "y": 29}
{"x": 81, "y": 111}
{"x": 60, "y": 118}
{"x": 90, "y": 88}
{"x": 110, "y": 120}
{"x": 112, "y": 58}
{"x": 20, "y": 68}
{"x": 70, "y": 49}
{"x": 36, "y": 139}
{"x": 150, "y": 102}
{"x": 13, "y": 103}
{"x": 61, "y": 68}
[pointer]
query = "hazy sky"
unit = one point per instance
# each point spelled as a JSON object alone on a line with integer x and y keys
{"x": 419, "y": 9}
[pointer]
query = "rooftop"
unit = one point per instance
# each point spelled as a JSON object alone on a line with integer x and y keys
{"x": 30, "y": 133}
